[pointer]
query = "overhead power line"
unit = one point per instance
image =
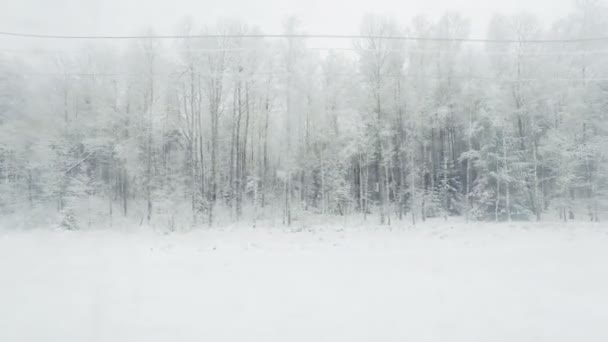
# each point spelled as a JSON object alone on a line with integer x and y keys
{"x": 304, "y": 36}
{"x": 335, "y": 74}
{"x": 346, "y": 49}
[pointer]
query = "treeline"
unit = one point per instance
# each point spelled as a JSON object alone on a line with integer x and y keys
{"x": 213, "y": 130}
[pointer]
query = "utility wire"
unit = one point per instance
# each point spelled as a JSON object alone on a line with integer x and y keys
{"x": 351, "y": 74}
{"x": 354, "y": 50}
{"x": 321, "y": 36}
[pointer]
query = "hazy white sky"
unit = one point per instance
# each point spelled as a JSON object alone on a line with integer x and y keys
{"x": 123, "y": 17}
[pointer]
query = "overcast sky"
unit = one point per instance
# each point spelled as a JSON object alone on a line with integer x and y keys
{"x": 123, "y": 17}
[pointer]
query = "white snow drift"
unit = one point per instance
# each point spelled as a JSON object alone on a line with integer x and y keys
{"x": 432, "y": 283}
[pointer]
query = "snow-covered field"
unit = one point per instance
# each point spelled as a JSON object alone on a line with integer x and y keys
{"x": 519, "y": 282}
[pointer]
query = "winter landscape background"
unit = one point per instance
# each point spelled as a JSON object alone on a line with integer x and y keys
{"x": 414, "y": 180}
{"x": 235, "y": 126}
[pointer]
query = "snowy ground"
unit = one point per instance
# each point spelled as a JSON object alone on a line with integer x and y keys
{"x": 532, "y": 282}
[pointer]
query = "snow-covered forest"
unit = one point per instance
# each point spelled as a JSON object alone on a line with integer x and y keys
{"x": 306, "y": 172}
{"x": 220, "y": 124}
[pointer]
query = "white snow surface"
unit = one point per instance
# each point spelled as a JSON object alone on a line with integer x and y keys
{"x": 434, "y": 282}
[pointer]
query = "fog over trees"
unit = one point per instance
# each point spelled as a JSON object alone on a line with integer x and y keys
{"x": 237, "y": 126}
